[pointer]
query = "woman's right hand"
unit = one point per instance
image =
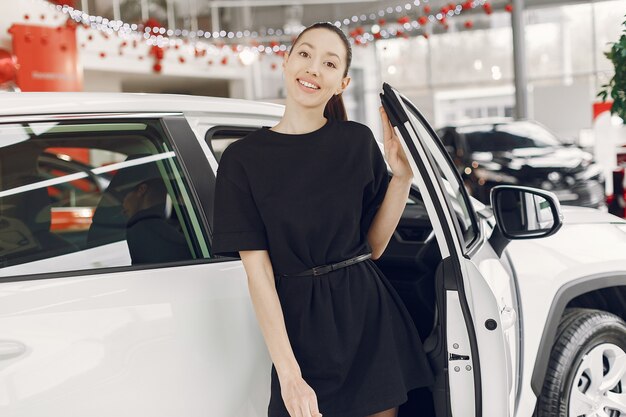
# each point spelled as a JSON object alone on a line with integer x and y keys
{"x": 299, "y": 398}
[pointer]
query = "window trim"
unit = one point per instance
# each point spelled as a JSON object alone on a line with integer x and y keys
{"x": 199, "y": 210}
{"x": 470, "y": 247}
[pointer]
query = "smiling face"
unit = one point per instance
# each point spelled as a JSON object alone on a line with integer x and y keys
{"x": 314, "y": 69}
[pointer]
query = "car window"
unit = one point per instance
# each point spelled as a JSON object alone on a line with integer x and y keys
{"x": 508, "y": 137}
{"x": 82, "y": 195}
{"x": 220, "y": 137}
{"x": 465, "y": 217}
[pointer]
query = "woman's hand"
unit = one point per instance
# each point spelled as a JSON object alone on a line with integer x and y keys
{"x": 394, "y": 154}
{"x": 299, "y": 398}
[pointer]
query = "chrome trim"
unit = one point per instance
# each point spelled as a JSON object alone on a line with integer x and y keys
{"x": 39, "y": 117}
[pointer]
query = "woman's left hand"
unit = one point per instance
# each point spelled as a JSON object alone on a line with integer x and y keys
{"x": 394, "y": 153}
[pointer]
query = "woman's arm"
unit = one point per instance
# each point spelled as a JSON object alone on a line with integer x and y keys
{"x": 299, "y": 397}
{"x": 388, "y": 215}
{"x": 390, "y": 211}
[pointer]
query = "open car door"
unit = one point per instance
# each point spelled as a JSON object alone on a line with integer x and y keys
{"x": 467, "y": 346}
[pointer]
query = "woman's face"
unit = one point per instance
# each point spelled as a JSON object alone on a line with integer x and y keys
{"x": 314, "y": 68}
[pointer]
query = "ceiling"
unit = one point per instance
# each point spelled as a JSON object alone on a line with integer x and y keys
{"x": 255, "y": 15}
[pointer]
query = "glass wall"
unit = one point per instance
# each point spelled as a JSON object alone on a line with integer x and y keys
{"x": 565, "y": 60}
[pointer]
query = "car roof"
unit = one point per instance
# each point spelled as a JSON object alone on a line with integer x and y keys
{"x": 21, "y": 104}
{"x": 483, "y": 122}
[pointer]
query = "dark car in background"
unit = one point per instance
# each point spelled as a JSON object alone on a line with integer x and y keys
{"x": 523, "y": 153}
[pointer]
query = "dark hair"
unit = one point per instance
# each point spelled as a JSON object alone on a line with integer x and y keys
{"x": 335, "y": 109}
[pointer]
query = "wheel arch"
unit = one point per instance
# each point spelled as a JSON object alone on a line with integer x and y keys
{"x": 594, "y": 291}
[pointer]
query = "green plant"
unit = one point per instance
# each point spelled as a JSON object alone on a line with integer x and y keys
{"x": 616, "y": 87}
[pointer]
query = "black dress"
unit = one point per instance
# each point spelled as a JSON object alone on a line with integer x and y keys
{"x": 309, "y": 200}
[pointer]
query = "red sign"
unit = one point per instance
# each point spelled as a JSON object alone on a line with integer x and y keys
{"x": 47, "y": 58}
{"x": 601, "y": 107}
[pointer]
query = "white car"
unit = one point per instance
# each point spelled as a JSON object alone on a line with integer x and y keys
{"x": 520, "y": 313}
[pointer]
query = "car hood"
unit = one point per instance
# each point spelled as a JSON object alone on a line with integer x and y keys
{"x": 582, "y": 215}
{"x": 519, "y": 161}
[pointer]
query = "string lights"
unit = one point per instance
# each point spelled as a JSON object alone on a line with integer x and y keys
{"x": 418, "y": 17}
{"x": 162, "y": 36}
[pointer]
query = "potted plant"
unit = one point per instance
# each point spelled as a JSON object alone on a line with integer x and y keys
{"x": 616, "y": 87}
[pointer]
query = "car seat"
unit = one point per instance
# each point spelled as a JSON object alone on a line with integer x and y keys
{"x": 25, "y": 221}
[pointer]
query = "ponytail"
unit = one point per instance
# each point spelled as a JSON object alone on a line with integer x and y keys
{"x": 335, "y": 109}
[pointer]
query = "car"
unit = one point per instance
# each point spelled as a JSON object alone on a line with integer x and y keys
{"x": 520, "y": 304}
{"x": 523, "y": 152}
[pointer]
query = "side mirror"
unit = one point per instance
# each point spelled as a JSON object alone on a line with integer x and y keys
{"x": 525, "y": 213}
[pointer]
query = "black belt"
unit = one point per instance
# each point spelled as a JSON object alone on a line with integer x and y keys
{"x": 319, "y": 270}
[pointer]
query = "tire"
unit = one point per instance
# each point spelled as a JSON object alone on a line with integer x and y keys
{"x": 586, "y": 375}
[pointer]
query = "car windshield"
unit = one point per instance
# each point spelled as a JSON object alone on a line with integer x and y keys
{"x": 507, "y": 137}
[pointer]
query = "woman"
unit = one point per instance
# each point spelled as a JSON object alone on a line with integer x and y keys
{"x": 312, "y": 191}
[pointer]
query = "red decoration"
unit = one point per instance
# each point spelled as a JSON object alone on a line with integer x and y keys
{"x": 377, "y": 35}
{"x": 469, "y": 24}
{"x": 509, "y": 8}
{"x": 103, "y": 55}
{"x": 427, "y": 9}
{"x": 487, "y": 8}
{"x": 403, "y": 20}
{"x": 90, "y": 38}
{"x": 181, "y": 59}
{"x": 26, "y": 17}
{"x": 8, "y": 68}
{"x": 360, "y": 30}
{"x": 70, "y": 23}
{"x": 443, "y": 21}
{"x": 152, "y": 23}
{"x": 42, "y": 17}
{"x": 445, "y": 10}
{"x": 210, "y": 62}
{"x": 224, "y": 60}
{"x": 422, "y": 20}
{"x": 425, "y": 35}
{"x": 157, "y": 67}
{"x": 274, "y": 66}
{"x": 63, "y": 48}
{"x": 381, "y": 21}
{"x": 467, "y": 5}
{"x": 69, "y": 3}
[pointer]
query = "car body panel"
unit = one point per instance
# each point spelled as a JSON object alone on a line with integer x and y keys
{"x": 23, "y": 104}
{"x": 102, "y": 345}
{"x": 487, "y": 348}
{"x": 544, "y": 266}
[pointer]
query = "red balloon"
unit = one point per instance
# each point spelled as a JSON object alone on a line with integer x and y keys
{"x": 8, "y": 68}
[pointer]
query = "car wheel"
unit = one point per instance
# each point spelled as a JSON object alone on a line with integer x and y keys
{"x": 587, "y": 371}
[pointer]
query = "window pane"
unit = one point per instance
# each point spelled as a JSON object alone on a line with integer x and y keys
{"x": 452, "y": 185}
{"x": 93, "y": 194}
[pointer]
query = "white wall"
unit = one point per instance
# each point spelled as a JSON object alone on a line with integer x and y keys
{"x": 564, "y": 108}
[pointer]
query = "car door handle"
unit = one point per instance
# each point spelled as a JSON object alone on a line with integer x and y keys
{"x": 11, "y": 348}
{"x": 508, "y": 317}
